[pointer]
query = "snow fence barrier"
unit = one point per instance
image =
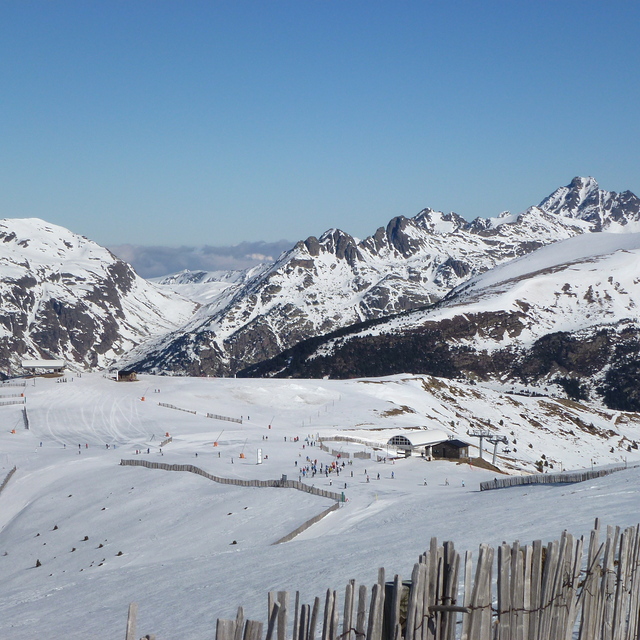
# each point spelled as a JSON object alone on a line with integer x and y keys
{"x": 279, "y": 484}
{"x": 550, "y": 478}
{"x": 7, "y": 478}
{"x": 173, "y": 406}
{"x": 8, "y": 402}
{"x": 215, "y": 416}
{"x": 576, "y": 588}
{"x": 364, "y": 455}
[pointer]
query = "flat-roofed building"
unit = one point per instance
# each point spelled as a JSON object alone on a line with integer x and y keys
{"x": 44, "y": 366}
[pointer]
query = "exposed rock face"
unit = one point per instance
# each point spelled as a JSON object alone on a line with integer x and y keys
{"x": 65, "y": 297}
{"x": 582, "y": 199}
{"x": 334, "y": 281}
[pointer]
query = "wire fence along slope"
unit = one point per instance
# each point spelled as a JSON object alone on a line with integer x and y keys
{"x": 569, "y": 589}
{"x": 279, "y": 484}
{"x": 214, "y": 416}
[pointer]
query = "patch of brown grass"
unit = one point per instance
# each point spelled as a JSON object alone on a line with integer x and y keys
{"x": 397, "y": 411}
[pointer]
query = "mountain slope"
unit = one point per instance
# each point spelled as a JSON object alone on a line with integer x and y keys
{"x": 567, "y": 313}
{"x": 64, "y": 296}
{"x": 334, "y": 281}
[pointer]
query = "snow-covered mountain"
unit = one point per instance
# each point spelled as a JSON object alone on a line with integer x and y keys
{"x": 64, "y": 296}
{"x": 207, "y": 287}
{"x": 565, "y": 314}
{"x": 327, "y": 283}
{"x": 584, "y": 200}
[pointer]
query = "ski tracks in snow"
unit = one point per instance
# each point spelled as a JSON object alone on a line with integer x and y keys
{"x": 105, "y": 419}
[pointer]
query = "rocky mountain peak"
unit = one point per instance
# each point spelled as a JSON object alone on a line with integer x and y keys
{"x": 399, "y": 239}
{"x": 334, "y": 241}
{"x": 439, "y": 223}
{"x": 67, "y": 296}
{"x": 583, "y": 199}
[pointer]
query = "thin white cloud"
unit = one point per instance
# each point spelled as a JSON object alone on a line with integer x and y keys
{"x": 153, "y": 262}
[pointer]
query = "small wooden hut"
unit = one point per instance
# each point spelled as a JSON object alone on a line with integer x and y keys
{"x": 127, "y": 375}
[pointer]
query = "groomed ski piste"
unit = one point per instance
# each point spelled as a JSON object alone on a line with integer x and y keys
{"x": 189, "y": 550}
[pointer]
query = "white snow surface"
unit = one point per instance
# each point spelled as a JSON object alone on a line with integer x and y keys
{"x": 206, "y": 287}
{"x": 577, "y": 249}
{"x": 175, "y": 530}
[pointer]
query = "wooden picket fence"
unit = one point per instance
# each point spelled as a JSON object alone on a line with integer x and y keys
{"x": 570, "y": 589}
{"x": 273, "y": 484}
{"x": 216, "y": 416}
{"x": 173, "y": 406}
{"x": 568, "y": 477}
{"x": 7, "y": 478}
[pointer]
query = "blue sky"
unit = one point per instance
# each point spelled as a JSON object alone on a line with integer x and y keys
{"x": 171, "y": 123}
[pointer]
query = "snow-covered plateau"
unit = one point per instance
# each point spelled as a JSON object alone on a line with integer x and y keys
{"x": 189, "y": 550}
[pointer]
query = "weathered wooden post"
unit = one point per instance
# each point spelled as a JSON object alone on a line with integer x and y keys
{"x": 283, "y": 600}
{"x": 374, "y": 628}
{"x": 304, "y": 622}
{"x": 311, "y": 631}
{"x": 273, "y": 619}
{"x": 296, "y": 617}
{"x": 412, "y": 599}
{"x": 348, "y": 611}
{"x": 328, "y": 613}
{"x": 391, "y": 616}
{"x": 253, "y": 630}
{"x": 361, "y": 619}
{"x": 239, "y": 624}
{"x": 225, "y": 629}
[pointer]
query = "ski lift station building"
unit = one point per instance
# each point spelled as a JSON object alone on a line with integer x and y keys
{"x": 44, "y": 366}
{"x": 429, "y": 443}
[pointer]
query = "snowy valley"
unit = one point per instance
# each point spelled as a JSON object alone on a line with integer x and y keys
{"x": 524, "y": 328}
{"x": 189, "y": 550}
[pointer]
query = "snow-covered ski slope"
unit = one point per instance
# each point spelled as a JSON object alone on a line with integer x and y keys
{"x": 175, "y": 531}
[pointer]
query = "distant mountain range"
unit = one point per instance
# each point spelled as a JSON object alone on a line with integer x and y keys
{"x": 433, "y": 294}
{"x": 565, "y": 316}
